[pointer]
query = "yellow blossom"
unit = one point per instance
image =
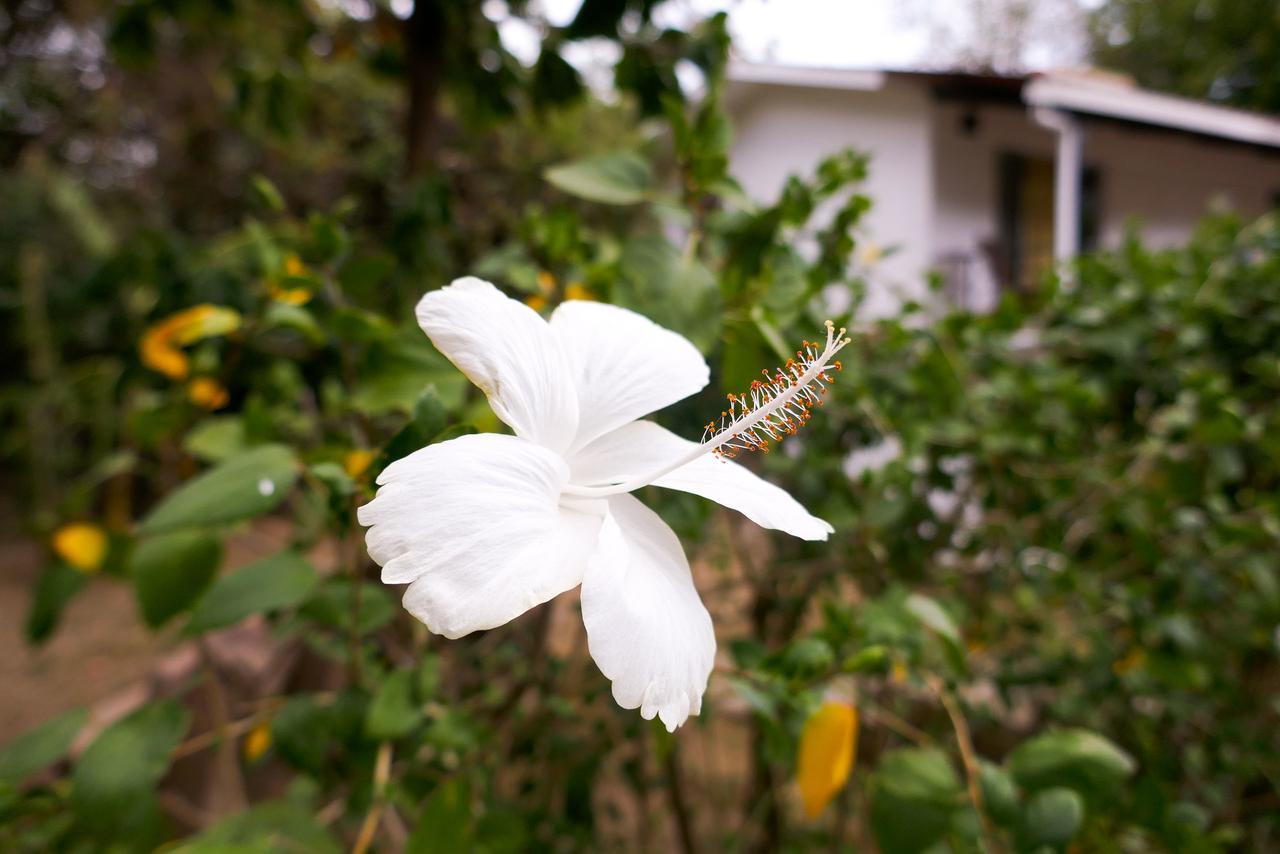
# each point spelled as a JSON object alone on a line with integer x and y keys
{"x": 356, "y": 461}
{"x": 898, "y": 673}
{"x": 207, "y": 392}
{"x": 1134, "y": 660}
{"x": 577, "y": 290}
{"x": 288, "y": 296}
{"x": 160, "y": 347}
{"x": 82, "y": 545}
{"x": 546, "y": 283}
{"x": 827, "y": 747}
{"x": 293, "y": 265}
{"x": 256, "y": 742}
{"x": 535, "y": 302}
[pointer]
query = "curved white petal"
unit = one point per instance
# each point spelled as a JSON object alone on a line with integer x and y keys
{"x": 510, "y": 353}
{"x": 624, "y": 365}
{"x": 647, "y": 630}
{"x": 475, "y": 526}
{"x": 642, "y": 447}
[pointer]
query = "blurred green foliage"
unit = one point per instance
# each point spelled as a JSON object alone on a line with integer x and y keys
{"x": 1053, "y": 601}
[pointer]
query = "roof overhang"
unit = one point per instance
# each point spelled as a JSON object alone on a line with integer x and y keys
{"x": 1084, "y": 94}
{"x": 1138, "y": 106}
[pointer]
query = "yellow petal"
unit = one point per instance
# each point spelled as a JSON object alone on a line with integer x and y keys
{"x": 158, "y": 353}
{"x": 546, "y": 283}
{"x": 256, "y": 742}
{"x": 355, "y": 462}
{"x": 536, "y": 302}
{"x": 827, "y": 746}
{"x": 82, "y": 545}
{"x": 289, "y": 296}
{"x": 207, "y": 392}
{"x": 159, "y": 346}
{"x": 203, "y": 321}
{"x": 577, "y": 290}
{"x": 293, "y": 265}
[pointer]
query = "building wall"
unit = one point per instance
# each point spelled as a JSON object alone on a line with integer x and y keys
{"x": 1159, "y": 182}
{"x": 781, "y": 131}
{"x": 934, "y": 179}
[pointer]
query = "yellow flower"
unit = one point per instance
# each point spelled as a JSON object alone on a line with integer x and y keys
{"x": 577, "y": 290}
{"x": 256, "y": 742}
{"x": 207, "y": 392}
{"x": 827, "y": 747}
{"x": 82, "y": 545}
{"x": 355, "y": 462}
{"x": 160, "y": 347}
{"x": 898, "y": 672}
{"x": 536, "y": 302}
{"x": 546, "y": 283}
{"x": 1135, "y": 658}
{"x": 293, "y": 267}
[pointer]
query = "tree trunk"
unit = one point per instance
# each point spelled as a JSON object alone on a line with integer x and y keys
{"x": 424, "y": 40}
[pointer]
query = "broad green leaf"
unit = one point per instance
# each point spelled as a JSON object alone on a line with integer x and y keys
{"x": 244, "y": 486}
{"x": 930, "y": 613}
{"x": 393, "y": 713}
{"x": 428, "y": 420}
{"x": 1076, "y": 758}
{"x": 268, "y": 827}
{"x": 914, "y": 794}
{"x": 278, "y": 581}
{"x": 331, "y": 604}
{"x": 41, "y": 746}
{"x": 216, "y": 439}
{"x": 113, "y": 781}
{"x": 445, "y": 825}
{"x": 170, "y": 571}
{"x": 999, "y": 793}
{"x": 54, "y": 589}
{"x": 1053, "y": 817}
{"x": 621, "y": 178}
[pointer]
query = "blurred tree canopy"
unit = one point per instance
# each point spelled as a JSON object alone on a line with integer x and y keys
{"x": 1216, "y": 49}
{"x": 1047, "y": 621}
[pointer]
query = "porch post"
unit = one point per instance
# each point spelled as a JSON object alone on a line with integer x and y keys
{"x": 1068, "y": 168}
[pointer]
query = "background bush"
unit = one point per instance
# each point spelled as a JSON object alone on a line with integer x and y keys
{"x": 1052, "y": 595}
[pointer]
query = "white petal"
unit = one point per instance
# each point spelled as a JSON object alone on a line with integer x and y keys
{"x": 647, "y": 630}
{"x": 475, "y": 526}
{"x": 625, "y": 365}
{"x": 642, "y": 447}
{"x": 510, "y": 353}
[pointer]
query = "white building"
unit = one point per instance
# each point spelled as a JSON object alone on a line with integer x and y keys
{"x": 986, "y": 179}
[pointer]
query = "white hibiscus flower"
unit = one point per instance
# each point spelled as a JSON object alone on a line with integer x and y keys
{"x": 484, "y": 527}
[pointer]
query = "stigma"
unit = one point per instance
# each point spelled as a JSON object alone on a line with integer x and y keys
{"x": 778, "y": 404}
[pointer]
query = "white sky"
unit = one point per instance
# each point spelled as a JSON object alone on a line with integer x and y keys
{"x": 850, "y": 33}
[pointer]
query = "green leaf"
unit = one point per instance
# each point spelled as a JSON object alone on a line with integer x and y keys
{"x": 40, "y": 746}
{"x": 914, "y": 793}
{"x": 170, "y": 571}
{"x": 999, "y": 793}
{"x": 242, "y": 487}
{"x": 54, "y": 589}
{"x": 266, "y": 193}
{"x": 445, "y": 825}
{"x": 216, "y": 439}
{"x": 1053, "y": 817}
{"x": 393, "y": 713}
{"x": 278, "y": 581}
{"x": 331, "y": 605}
{"x": 930, "y": 613}
{"x": 1077, "y": 758}
{"x": 621, "y": 178}
{"x": 268, "y": 827}
{"x": 428, "y": 420}
{"x": 112, "y": 783}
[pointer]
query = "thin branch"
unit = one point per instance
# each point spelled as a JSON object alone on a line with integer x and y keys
{"x": 965, "y": 742}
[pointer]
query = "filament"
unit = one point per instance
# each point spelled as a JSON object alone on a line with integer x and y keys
{"x": 771, "y": 409}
